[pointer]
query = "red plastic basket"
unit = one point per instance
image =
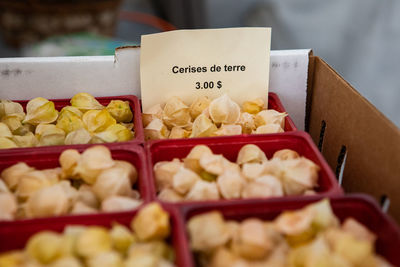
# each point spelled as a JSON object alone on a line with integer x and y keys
{"x": 15, "y": 235}
{"x": 166, "y": 150}
{"x": 361, "y": 207}
{"x": 48, "y": 158}
{"x": 60, "y": 103}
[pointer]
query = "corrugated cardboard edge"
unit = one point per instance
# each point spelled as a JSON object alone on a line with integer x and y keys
{"x": 372, "y": 141}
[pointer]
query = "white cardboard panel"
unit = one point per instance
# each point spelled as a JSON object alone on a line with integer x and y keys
{"x": 62, "y": 77}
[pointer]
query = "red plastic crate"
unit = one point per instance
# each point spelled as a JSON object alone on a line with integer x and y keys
{"x": 60, "y": 103}
{"x": 48, "y": 158}
{"x": 361, "y": 207}
{"x": 15, "y": 235}
{"x": 166, "y": 150}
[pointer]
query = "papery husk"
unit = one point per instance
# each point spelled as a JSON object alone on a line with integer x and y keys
{"x": 269, "y": 128}
{"x": 198, "y": 106}
{"x": 285, "y": 154}
{"x": 178, "y": 132}
{"x": 246, "y": 120}
{"x": 270, "y": 116}
{"x": 230, "y": 184}
{"x": 7, "y": 143}
{"x": 156, "y": 130}
{"x": 228, "y": 129}
{"x": 183, "y": 180}
{"x": 207, "y": 231}
{"x": 68, "y": 160}
{"x": 224, "y": 110}
{"x": 170, "y": 195}
{"x": 203, "y": 190}
{"x": 5, "y": 131}
{"x": 114, "y": 133}
{"x": 92, "y": 241}
{"x": 192, "y": 159}
{"x": 48, "y": 201}
{"x": 151, "y": 223}
{"x": 40, "y": 110}
{"x": 8, "y": 206}
{"x": 33, "y": 181}
{"x": 12, "y": 175}
{"x": 263, "y": 186}
{"x": 85, "y": 101}
{"x": 299, "y": 175}
{"x": 155, "y": 112}
{"x": 112, "y": 182}
{"x": 254, "y": 106}
{"x": 8, "y": 107}
{"x": 80, "y": 136}
{"x": 176, "y": 113}
{"x": 213, "y": 164}
{"x": 251, "y": 241}
{"x": 250, "y": 154}
{"x": 203, "y": 127}
{"x": 97, "y": 121}
{"x": 69, "y": 121}
{"x": 119, "y": 203}
{"x": 49, "y": 134}
{"x": 120, "y": 110}
{"x": 81, "y": 208}
{"x": 71, "y": 109}
{"x": 93, "y": 161}
{"x": 27, "y": 140}
{"x": 164, "y": 172}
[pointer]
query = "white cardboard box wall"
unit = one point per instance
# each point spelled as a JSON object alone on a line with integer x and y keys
{"x": 62, "y": 77}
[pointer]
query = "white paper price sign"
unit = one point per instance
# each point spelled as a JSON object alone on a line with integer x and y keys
{"x": 191, "y": 63}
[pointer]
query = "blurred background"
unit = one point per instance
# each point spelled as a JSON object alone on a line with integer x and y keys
{"x": 358, "y": 38}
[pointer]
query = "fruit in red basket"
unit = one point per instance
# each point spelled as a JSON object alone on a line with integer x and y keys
{"x": 26, "y": 140}
{"x": 270, "y": 116}
{"x": 155, "y": 112}
{"x": 164, "y": 172}
{"x": 250, "y": 154}
{"x": 230, "y": 184}
{"x": 178, "y": 132}
{"x": 120, "y": 110}
{"x": 298, "y": 175}
{"x": 207, "y": 231}
{"x": 92, "y": 241}
{"x": 45, "y": 247}
{"x": 192, "y": 159}
{"x": 203, "y": 190}
{"x": 198, "y": 106}
{"x": 81, "y": 136}
{"x": 85, "y": 101}
{"x": 13, "y": 174}
{"x": 121, "y": 237}
{"x": 251, "y": 240}
{"x": 254, "y": 106}
{"x": 156, "y": 130}
{"x": 119, "y": 203}
{"x": 7, "y": 143}
{"x": 358, "y": 230}
{"x": 5, "y": 131}
{"x": 176, "y": 113}
{"x": 8, "y": 206}
{"x": 170, "y": 195}
{"x": 203, "y": 127}
{"x": 32, "y": 181}
{"x": 49, "y": 135}
{"x": 8, "y": 107}
{"x": 224, "y": 110}
{"x": 96, "y": 121}
{"x": 229, "y": 129}
{"x": 263, "y": 186}
{"x": 109, "y": 258}
{"x": 67, "y": 262}
{"x": 151, "y": 223}
{"x": 269, "y": 128}
{"x": 69, "y": 121}
{"x": 184, "y": 179}
{"x": 93, "y": 161}
{"x": 40, "y": 110}
{"x": 114, "y": 133}
{"x": 285, "y": 154}
{"x": 68, "y": 160}
{"x": 112, "y": 182}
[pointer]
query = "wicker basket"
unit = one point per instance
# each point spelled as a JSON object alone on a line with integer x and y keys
{"x": 26, "y": 21}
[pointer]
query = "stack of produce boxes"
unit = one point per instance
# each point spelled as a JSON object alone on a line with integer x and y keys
{"x": 85, "y": 182}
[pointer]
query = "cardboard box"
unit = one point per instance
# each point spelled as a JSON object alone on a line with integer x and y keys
{"x": 360, "y": 144}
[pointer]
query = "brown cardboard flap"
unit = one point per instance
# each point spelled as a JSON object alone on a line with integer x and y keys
{"x": 372, "y": 142}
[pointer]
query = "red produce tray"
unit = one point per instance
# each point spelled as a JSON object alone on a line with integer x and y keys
{"x": 14, "y": 235}
{"x": 60, "y": 103}
{"x": 48, "y": 158}
{"x": 361, "y": 207}
{"x": 229, "y": 146}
